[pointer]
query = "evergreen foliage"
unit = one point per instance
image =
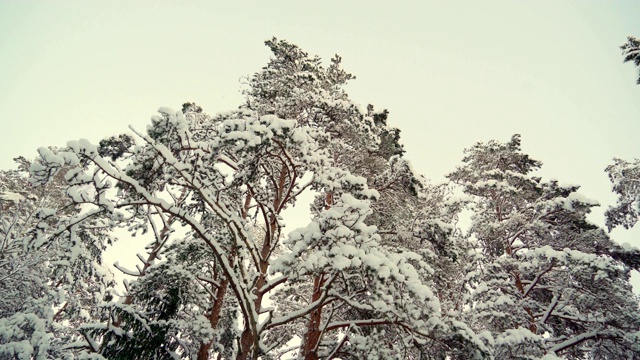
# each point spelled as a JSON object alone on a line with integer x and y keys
{"x": 380, "y": 270}
{"x": 625, "y": 177}
{"x": 539, "y": 281}
{"x": 631, "y": 52}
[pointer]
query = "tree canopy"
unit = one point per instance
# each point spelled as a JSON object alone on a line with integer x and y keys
{"x": 381, "y": 269}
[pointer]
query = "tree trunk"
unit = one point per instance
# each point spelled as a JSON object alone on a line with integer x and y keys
{"x": 533, "y": 327}
{"x": 248, "y": 339}
{"x": 312, "y": 337}
{"x": 246, "y": 342}
{"x": 214, "y": 317}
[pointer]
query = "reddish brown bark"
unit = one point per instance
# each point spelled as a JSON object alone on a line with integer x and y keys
{"x": 216, "y": 310}
{"x": 533, "y": 327}
{"x": 312, "y": 337}
{"x": 246, "y": 342}
{"x": 214, "y": 318}
{"x": 59, "y": 312}
{"x": 248, "y": 339}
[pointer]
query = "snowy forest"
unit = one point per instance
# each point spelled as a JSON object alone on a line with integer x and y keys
{"x": 495, "y": 264}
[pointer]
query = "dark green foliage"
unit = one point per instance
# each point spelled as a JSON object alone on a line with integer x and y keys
{"x": 631, "y": 52}
{"x": 191, "y": 107}
{"x": 115, "y": 147}
{"x": 160, "y": 319}
{"x": 630, "y": 257}
{"x": 625, "y": 177}
{"x": 542, "y": 266}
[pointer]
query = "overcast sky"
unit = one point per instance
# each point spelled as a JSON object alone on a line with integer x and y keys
{"x": 451, "y": 73}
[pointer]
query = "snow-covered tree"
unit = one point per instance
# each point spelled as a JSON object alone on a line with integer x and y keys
{"x": 543, "y": 280}
{"x": 631, "y": 51}
{"x": 220, "y": 277}
{"x": 379, "y": 270}
{"x": 295, "y": 84}
{"x": 51, "y": 275}
{"x": 625, "y": 177}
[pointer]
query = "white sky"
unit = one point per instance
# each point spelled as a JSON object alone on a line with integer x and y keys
{"x": 451, "y": 73}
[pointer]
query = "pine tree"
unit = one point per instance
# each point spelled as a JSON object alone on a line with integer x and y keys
{"x": 631, "y": 51}
{"x": 221, "y": 278}
{"x": 361, "y": 142}
{"x": 625, "y": 177}
{"x": 381, "y": 269}
{"x": 51, "y": 274}
{"x": 540, "y": 283}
